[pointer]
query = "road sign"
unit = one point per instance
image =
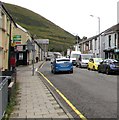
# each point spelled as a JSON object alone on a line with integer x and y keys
{"x": 20, "y": 48}
{"x": 30, "y": 45}
{"x": 42, "y": 41}
{"x": 13, "y": 44}
{"x": 17, "y": 39}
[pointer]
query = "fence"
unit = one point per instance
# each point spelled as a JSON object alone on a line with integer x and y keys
{"x": 3, "y": 94}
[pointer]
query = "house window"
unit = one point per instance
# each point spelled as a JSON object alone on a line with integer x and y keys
{"x": 87, "y": 46}
{"x": 0, "y": 20}
{"x": 118, "y": 40}
{"x": 115, "y": 37}
{"x": 3, "y": 20}
{"x": 95, "y": 43}
{"x": 99, "y": 42}
{"x": 109, "y": 40}
{"x": 91, "y": 45}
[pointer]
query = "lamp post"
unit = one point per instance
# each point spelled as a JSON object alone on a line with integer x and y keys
{"x": 98, "y": 32}
{"x": 98, "y": 22}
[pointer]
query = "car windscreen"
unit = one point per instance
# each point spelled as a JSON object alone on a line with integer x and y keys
{"x": 74, "y": 55}
{"x": 97, "y": 60}
{"x": 86, "y": 57}
{"x": 114, "y": 61}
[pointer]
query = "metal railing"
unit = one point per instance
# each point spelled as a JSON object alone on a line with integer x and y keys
{"x": 3, "y": 94}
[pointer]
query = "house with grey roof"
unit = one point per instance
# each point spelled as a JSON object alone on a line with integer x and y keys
{"x": 105, "y": 45}
{"x": 110, "y": 42}
{"x": 90, "y": 45}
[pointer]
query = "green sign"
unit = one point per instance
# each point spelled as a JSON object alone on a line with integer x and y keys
{"x": 17, "y": 38}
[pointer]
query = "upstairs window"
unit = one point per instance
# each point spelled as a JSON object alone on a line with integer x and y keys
{"x": 95, "y": 43}
{"x": 91, "y": 45}
{"x": 109, "y": 37}
{"x": 1, "y": 20}
{"x": 115, "y": 37}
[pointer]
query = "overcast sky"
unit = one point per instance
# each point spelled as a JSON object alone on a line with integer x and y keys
{"x": 74, "y": 15}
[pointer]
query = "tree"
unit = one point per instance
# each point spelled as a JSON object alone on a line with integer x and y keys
{"x": 84, "y": 38}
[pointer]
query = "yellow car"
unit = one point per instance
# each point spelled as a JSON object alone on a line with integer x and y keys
{"x": 93, "y": 63}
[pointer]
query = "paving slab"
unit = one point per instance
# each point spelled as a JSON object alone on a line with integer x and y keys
{"x": 34, "y": 99}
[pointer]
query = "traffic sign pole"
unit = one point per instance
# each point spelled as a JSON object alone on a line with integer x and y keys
{"x": 31, "y": 47}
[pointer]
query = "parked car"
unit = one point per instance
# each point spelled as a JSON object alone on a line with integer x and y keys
{"x": 82, "y": 60}
{"x": 93, "y": 63}
{"x": 61, "y": 65}
{"x": 73, "y": 56}
{"x": 109, "y": 66}
{"x": 49, "y": 57}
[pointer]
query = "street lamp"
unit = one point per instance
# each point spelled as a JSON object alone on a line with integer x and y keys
{"x": 98, "y": 30}
{"x": 98, "y": 22}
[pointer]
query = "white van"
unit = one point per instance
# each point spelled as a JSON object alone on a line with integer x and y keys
{"x": 82, "y": 60}
{"x": 74, "y": 55}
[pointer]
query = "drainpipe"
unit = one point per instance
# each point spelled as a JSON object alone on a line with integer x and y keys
{"x": 9, "y": 54}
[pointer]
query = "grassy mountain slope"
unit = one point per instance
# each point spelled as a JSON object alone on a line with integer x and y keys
{"x": 41, "y": 27}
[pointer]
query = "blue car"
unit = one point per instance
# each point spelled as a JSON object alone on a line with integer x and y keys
{"x": 62, "y": 65}
{"x": 109, "y": 66}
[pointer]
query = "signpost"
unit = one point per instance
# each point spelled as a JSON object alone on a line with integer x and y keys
{"x": 31, "y": 47}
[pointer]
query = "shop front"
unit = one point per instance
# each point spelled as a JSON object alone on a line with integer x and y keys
{"x": 21, "y": 55}
{"x": 112, "y": 53}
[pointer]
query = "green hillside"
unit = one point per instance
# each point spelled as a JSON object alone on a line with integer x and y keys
{"x": 41, "y": 27}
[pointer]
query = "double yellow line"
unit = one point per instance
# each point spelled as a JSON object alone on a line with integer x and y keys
{"x": 64, "y": 98}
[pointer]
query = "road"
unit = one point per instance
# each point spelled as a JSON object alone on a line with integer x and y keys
{"x": 93, "y": 94}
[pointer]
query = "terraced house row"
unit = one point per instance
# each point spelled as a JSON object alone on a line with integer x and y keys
{"x": 17, "y": 47}
{"x": 13, "y": 43}
{"x": 7, "y": 26}
{"x": 105, "y": 44}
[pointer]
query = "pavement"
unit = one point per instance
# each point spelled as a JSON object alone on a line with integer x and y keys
{"x": 34, "y": 99}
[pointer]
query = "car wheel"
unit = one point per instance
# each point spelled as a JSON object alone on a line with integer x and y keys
{"x": 88, "y": 68}
{"x": 107, "y": 71}
{"x": 94, "y": 68}
{"x": 76, "y": 65}
{"x": 71, "y": 71}
{"x": 99, "y": 71}
{"x": 79, "y": 65}
{"x": 54, "y": 71}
